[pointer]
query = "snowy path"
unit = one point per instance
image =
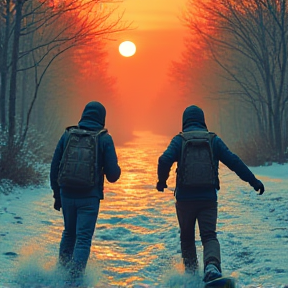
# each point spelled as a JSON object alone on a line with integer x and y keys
{"x": 137, "y": 236}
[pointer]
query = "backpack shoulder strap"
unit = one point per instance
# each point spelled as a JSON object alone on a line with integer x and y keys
{"x": 102, "y": 131}
{"x": 211, "y": 135}
{"x": 67, "y": 133}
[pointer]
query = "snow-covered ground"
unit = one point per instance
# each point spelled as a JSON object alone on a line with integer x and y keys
{"x": 136, "y": 242}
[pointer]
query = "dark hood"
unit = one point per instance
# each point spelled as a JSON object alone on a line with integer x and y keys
{"x": 93, "y": 116}
{"x": 193, "y": 116}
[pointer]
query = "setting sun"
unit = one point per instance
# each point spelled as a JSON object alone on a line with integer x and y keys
{"x": 127, "y": 48}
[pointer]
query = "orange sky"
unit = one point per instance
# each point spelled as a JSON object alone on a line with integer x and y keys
{"x": 142, "y": 81}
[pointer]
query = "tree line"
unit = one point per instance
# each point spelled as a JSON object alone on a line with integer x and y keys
{"x": 241, "y": 48}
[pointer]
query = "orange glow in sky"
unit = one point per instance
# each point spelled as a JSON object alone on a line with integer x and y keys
{"x": 142, "y": 81}
{"x": 154, "y": 15}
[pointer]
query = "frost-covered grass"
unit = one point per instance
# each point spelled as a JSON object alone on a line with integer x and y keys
{"x": 22, "y": 163}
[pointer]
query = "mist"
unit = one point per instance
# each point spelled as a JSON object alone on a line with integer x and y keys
{"x": 150, "y": 90}
{"x": 139, "y": 92}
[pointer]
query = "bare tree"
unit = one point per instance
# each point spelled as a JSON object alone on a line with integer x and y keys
{"x": 248, "y": 40}
{"x": 14, "y": 65}
{"x": 34, "y": 35}
{"x": 45, "y": 30}
{"x": 6, "y": 8}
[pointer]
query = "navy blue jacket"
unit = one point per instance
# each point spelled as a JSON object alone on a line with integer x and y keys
{"x": 93, "y": 118}
{"x": 193, "y": 119}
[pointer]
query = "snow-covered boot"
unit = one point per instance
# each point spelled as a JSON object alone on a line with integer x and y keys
{"x": 211, "y": 272}
{"x": 191, "y": 265}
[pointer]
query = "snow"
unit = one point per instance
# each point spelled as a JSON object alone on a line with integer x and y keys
{"x": 277, "y": 171}
{"x": 136, "y": 241}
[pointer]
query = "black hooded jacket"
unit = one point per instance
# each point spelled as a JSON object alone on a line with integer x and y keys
{"x": 193, "y": 119}
{"x": 93, "y": 118}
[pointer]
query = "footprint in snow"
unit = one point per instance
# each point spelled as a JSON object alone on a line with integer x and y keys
{"x": 10, "y": 254}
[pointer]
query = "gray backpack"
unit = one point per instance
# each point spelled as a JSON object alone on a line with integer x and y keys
{"x": 79, "y": 161}
{"x": 196, "y": 168}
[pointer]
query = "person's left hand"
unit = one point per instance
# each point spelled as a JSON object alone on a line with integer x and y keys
{"x": 258, "y": 185}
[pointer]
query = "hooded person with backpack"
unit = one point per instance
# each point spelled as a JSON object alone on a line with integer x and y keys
{"x": 197, "y": 153}
{"x": 83, "y": 156}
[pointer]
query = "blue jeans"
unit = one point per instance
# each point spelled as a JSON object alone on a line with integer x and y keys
{"x": 80, "y": 216}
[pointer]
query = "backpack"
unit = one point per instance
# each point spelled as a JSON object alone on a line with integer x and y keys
{"x": 77, "y": 168}
{"x": 197, "y": 167}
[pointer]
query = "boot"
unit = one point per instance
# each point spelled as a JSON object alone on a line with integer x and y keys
{"x": 191, "y": 265}
{"x": 76, "y": 273}
{"x": 211, "y": 272}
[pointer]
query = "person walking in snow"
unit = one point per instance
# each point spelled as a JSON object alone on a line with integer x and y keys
{"x": 196, "y": 188}
{"x": 80, "y": 203}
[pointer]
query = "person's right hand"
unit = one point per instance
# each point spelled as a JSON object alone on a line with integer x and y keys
{"x": 57, "y": 204}
{"x": 258, "y": 185}
{"x": 160, "y": 186}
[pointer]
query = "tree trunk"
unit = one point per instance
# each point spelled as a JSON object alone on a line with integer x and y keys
{"x": 278, "y": 137}
{"x": 4, "y": 68}
{"x": 13, "y": 80}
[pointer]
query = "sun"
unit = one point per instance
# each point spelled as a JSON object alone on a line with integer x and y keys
{"x": 127, "y": 48}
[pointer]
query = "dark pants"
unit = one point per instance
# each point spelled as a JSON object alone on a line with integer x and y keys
{"x": 80, "y": 216}
{"x": 205, "y": 212}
